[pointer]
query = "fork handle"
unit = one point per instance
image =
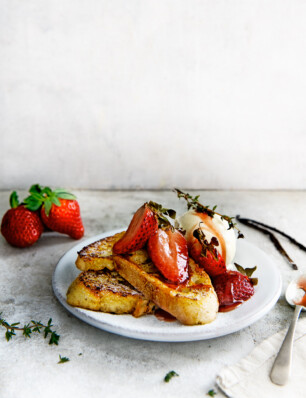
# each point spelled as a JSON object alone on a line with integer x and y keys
{"x": 282, "y": 365}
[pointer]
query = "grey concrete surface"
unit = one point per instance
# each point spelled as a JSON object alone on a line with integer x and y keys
{"x": 114, "y": 366}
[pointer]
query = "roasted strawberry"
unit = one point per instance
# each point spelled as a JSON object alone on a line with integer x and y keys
{"x": 234, "y": 287}
{"x": 144, "y": 223}
{"x": 212, "y": 263}
{"x": 20, "y": 226}
{"x": 169, "y": 253}
{"x": 59, "y": 210}
{"x": 205, "y": 253}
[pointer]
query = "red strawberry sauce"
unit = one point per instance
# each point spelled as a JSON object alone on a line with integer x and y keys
{"x": 230, "y": 307}
{"x": 162, "y": 315}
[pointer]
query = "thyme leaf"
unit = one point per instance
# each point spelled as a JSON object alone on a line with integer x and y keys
{"x": 169, "y": 376}
{"x": 28, "y": 329}
{"x": 211, "y": 393}
{"x": 193, "y": 203}
{"x": 63, "y": 359}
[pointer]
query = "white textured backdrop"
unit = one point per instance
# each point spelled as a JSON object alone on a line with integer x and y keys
{"x": 152, "y": 94}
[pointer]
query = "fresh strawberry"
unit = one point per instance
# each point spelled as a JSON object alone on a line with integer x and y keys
{"x": 20, "y": 226}
{"x": 144, "y": 223}
{"x": 59, "y": 210}
{"x": 205, "y": 254}
{"x": 169, "y": 253}
{"x": 234, "y": 287}
{"x": 65, "y": 218}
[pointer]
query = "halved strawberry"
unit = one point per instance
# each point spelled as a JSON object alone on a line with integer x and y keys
{"x": 144, "y": 223}
{"x": 206, "y": 255}
{"x": 234, "y": 287}
{"x": 169, "y": 253}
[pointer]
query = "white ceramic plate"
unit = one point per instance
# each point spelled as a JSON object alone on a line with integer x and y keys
{"x": 148, "y": 327}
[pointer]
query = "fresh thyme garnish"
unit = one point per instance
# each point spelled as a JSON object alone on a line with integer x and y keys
{"x": 211, "y": 393}
{"x": 63, "y": 359}
{"x": 161, "y": 214}
{"x": 200, "y": 236}
{"x": 259, "y": 226}
{"x": 193, "y": 203}
{"x": 29, "y": 328}
{"x": 169, "y": 376}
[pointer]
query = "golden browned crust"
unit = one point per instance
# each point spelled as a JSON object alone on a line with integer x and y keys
{"x": 107, "y": 291}
{"x": 99, "y": 255}
{"x": 192, "y": 303}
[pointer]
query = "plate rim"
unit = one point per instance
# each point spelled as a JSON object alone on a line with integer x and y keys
{"x": 193, "y": 333}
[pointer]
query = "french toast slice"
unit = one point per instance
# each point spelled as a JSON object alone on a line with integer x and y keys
{"x": 107, "y": 291}
{"x": 99, "y": 255}
{"x": 193, "y": 302}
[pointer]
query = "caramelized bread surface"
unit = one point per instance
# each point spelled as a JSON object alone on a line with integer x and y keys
{"x": 107, "y": 291}
{"x": 192, "y": 302}
{"x": 99, "y": 255}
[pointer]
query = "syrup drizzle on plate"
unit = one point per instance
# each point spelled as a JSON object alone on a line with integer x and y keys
{"x": 230, "y": 307}
{"x": 162, "y": 315}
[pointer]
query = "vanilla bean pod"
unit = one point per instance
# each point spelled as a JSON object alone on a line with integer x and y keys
{"x": 274, "y": 240}
{"x": 248, "y": 221}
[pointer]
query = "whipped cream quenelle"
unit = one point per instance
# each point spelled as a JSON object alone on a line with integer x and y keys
{"x": 211, "y": 226}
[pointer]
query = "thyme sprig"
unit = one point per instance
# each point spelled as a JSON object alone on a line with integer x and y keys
{"x": 63, "y": 359}
{"x": 29, "y": 328}
{"x": 193, "y": 203}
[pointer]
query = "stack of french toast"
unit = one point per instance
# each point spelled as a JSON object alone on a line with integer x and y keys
{"x": 155, "y": 265}
{"x": 131, "y": 284}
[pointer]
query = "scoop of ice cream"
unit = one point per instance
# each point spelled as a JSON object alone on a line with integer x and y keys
{"x": 211, "y": 226}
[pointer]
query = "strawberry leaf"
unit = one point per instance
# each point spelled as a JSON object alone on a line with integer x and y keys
{"x": 33, "y": 203}
{"x": 254, "y": 281}
{"x": 240, "y": 269}
{"x": 56, "y": 201}
{"x": 36, "y": 196}
{"x": 66, "y": 195}
{"x": 47, "y": 191}
{"x": 161, "y": 214}
{"x": 171, "y": 213}
{"x": 48, "y": 205}
{"x": 245, "y": 271}
{"x": 35, "y": 189}
{"x": 45, "y": 196}
{"x": 14, "y": 202}
{"x": 250, "y": 271}
{"x": 206, "y": 246}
